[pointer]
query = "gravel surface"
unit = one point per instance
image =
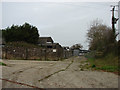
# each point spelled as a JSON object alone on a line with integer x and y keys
{"x": 54, "y": 74}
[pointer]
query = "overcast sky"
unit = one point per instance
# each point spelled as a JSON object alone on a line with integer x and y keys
{"x": 66, "y": 22}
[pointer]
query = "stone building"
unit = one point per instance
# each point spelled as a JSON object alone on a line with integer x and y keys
{"x": 67, "y": 52}
{"x": 45, "y": 41}
{"x": 50, "y": 47}
{"x": 48, "y": 50}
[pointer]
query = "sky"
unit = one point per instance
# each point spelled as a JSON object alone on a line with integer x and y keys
{"x": 66, "y": 22}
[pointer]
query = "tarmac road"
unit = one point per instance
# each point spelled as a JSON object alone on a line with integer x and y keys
{"x": 54, "y": 74}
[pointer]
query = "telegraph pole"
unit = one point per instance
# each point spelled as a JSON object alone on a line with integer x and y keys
{"x": 114, "y": 21}
{"x": 119, "y": 20}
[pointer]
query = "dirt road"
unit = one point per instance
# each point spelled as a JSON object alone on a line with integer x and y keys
{"x": 54, "y": 74}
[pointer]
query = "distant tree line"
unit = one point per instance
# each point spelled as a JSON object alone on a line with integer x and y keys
{"x": 76, "y": 46}
{"x": 26, "y": 33}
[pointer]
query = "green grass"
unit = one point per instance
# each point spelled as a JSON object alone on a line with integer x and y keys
{"x": 108, "y": 63}
{"x": 22, "y": 44}
{"x": 3, "y": 64}
{"x": 108, "y": 68}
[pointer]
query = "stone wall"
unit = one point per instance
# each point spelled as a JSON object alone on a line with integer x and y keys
{"x": 67, "y": 54}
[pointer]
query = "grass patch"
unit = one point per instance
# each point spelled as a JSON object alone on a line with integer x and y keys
{"x": 3, "y": 64}
{"x": 108, "y": 63}
{"x": 84, "y": 65}
{"x": 108, "y": 68}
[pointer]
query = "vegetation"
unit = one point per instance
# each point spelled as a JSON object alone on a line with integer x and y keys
{"x": 3, "y": 64}
{"x": 103, "y": 46}
{"x": 85, "y": 66}
{"x": 101, "y": 38}
{"x": 22, "y": 44}
{"x": 107, "y": 63}
{"x": 76, "y": 46}
{"x": 25, "y": 32}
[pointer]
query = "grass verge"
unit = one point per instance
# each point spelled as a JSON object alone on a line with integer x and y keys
{"x": 108, "y": 63}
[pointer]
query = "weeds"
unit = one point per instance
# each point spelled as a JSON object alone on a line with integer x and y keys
{"x": 108, "y": 63}
{"x": 3, "y": 64}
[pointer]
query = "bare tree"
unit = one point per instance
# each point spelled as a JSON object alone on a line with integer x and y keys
{"x": 99, "y": 36}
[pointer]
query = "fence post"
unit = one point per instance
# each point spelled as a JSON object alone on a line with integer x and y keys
{"x": 26, "y": 53}
{"x": 45, "y": 54}
{"x": 6, "y": 53}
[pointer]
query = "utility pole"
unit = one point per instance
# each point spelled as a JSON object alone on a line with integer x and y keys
{"x": 119, "y": 20}
{"x": 114, "y": 21}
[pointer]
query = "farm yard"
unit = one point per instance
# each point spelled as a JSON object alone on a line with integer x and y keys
{"x": 55, "y": 74}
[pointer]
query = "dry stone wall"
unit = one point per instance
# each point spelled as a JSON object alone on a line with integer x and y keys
{"x": 23, "y": 53}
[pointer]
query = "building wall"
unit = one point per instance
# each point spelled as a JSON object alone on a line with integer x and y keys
{"x": 76, "y": 52}
{"x": 67, "y": 54}
{"x": 31, "y": 53}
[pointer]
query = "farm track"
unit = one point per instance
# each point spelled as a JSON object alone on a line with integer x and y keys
{"x": 54, "y": 74}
